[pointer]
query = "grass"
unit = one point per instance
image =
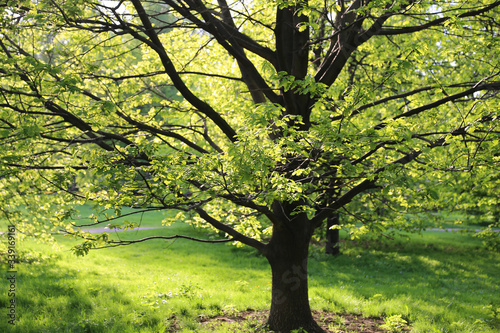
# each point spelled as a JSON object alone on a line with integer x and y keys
{"x": 441, "y": 282}
{"x": 148, "y": 219}
{"x": 462, "y": 220}
{"x": 438, "y": 282}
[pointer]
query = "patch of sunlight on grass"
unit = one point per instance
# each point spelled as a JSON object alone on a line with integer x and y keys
{"x": 156, "y": 286}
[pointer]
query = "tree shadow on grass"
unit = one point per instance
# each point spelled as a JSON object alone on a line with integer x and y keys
{"x": 412, "y": 278}
{"x": 375, "y": 278}
{"x": 50, "y": 298}
{"x": 449, "y": 284}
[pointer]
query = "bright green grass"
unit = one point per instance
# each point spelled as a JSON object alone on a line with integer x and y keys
{"x": 148, "y": 219}
{"x": 440, "y": 282}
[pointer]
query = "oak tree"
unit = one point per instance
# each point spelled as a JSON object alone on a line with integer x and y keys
{"x": 261, "y": 119}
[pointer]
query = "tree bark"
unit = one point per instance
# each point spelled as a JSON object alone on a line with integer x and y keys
{"x": 332, "y": 236}
{"x": 287, "y": 255}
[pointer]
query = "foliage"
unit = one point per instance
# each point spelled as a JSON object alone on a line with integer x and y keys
{"x": 490, "y": 237}
{"x": 394, "y": 323}
{"x": 89, "y": 104}
{"x": 258, "y": 119}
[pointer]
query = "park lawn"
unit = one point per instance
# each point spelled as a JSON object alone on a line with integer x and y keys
{"x": 142, "y": 219}
{"x": 438, "y": 282}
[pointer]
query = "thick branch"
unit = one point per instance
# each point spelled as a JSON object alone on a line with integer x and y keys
{"x": 478, "y": 87}
{"x": 155, "y": 43}
{"x": 361, "y": 187}
{"x": 45, "y": 167}
{"x": 151, "y": 129}
{"x": 223, "y": 31}
{"x": 436, "y": 22}
{"x": 243, "y": 40}
{"x": 230, "y": 231}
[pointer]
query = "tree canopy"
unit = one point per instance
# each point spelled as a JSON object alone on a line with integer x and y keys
{"x": 259, "y": 118}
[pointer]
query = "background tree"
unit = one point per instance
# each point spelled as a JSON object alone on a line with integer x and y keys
{"x": 285, "y": 112}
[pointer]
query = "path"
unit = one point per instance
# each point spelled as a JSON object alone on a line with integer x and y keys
{"x": 106, "y": 229}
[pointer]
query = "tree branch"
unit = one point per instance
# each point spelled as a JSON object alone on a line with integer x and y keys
{"x": 436, "y": 22}
{"x": 129, "y": 242}
{"x": 230, "y": 231}
{"x": 361, "y": 187}
{"x": 155, "y": 43}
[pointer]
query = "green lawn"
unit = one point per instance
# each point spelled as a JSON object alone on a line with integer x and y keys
{"x": 439, "y": 282}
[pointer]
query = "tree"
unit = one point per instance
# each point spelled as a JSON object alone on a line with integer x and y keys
{"x": 285, "y": 112}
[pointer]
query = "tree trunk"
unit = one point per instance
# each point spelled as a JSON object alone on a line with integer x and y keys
{"x": 332, "y": 236}
{"x": 288, "y": 251}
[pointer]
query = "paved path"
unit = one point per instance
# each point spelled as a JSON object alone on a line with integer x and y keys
{"x": 457, "y": 229}
{"x": 106, "y": 229}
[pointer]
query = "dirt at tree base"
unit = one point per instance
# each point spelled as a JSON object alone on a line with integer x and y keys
{"x": 254, "y": 321}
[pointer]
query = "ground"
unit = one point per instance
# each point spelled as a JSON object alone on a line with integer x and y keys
{"x": 254, "y": 321}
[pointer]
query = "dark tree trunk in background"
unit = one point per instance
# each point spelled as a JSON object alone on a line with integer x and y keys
{"x": 332, "y": 235}
{"x": 287, "y": 255}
